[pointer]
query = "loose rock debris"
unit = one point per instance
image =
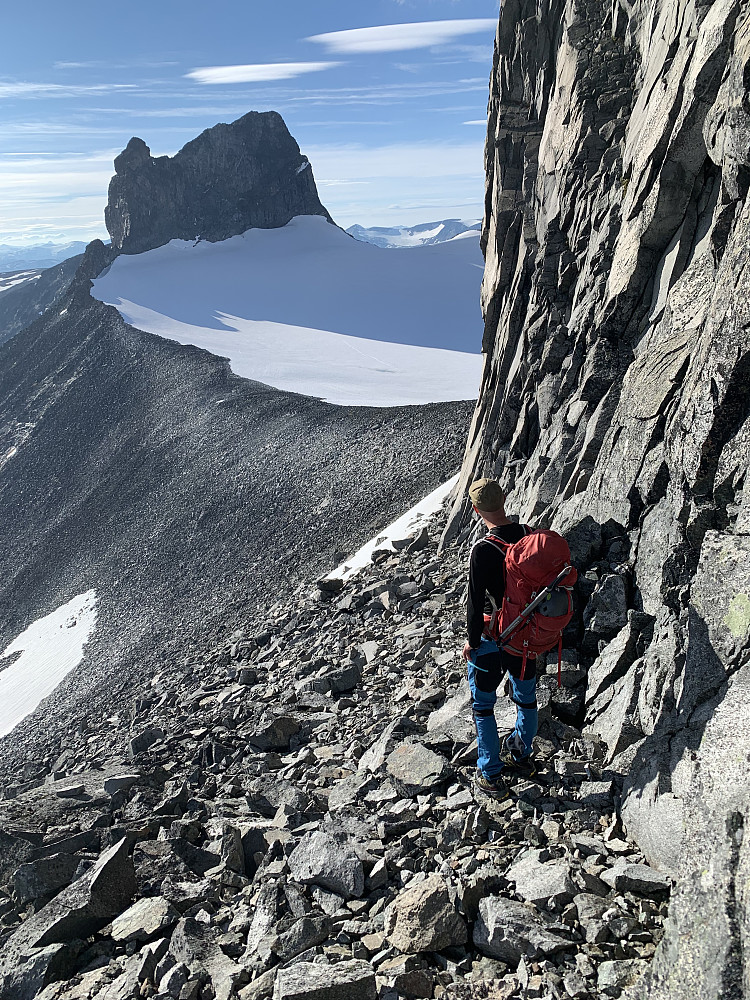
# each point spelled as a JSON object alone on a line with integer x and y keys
{"x": 291, "y": 815}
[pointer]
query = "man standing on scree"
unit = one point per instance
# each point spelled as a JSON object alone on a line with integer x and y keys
{"x": 487, "y": 664}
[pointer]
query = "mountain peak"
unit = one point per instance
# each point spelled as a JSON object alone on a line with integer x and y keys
{"x": 232, "y": 177}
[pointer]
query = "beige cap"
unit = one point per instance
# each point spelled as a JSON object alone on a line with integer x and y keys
{"x": 487, "y": 495}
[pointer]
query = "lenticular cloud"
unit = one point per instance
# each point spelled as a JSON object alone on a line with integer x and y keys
{"x": 400, "y": 37}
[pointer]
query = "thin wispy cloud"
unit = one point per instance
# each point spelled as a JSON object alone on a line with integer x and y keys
{"x": 416, "y": 160}
{"x": 402, "y": 37}
{"x": 256, "y": 72}
{"x": 103, "y": 64}
{"x": 476, "y": 121}
{"x": 36, "y": 90}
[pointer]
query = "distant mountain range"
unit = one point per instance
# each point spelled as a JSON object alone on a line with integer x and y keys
{"x": 13, "y": 258}
{"x": 415, "y": 236}
{"x": 41, "y": 255}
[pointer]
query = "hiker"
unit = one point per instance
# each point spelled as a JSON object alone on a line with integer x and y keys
{"x": 489, "y": 612}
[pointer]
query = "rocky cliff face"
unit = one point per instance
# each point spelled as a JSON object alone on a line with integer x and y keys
{"x": 615, "y": 400}
{"x": 229, "y": 179}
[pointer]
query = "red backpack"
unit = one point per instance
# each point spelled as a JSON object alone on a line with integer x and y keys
{"x": 539, "y": 562}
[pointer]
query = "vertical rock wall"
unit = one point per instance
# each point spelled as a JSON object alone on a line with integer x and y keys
{"x": 615, "y": 401}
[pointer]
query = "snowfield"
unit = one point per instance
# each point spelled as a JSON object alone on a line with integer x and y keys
{"x": 50, "y": 647}
{"x": 403, "y": 527}
{"x": 308, "y": 309}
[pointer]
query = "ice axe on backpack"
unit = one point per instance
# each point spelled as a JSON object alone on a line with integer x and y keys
{"x": 547, "y": 594}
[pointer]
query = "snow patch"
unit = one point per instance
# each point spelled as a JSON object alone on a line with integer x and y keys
{"x": 406, "y": 525}
{"x": 20, "y": 278}
{"x": 50, "y": 648}
{"x": 306, "y": 309}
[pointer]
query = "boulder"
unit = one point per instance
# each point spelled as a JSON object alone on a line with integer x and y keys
{"x": 307, "y": 932}
{"x": 25, "y": 979}
{"x": 538, "y": 882}
{"x": 613, "y": 977}
{"x": 82, "y": 908}
{"x": 424, "y": 918}
{"x": 15, "y": 849}
{"x": 44, "y": 876}
{"x": 145, "y": 919}
{"x": 347, "y": 980}
{"x": 507, "y": 929}
{"x": 639, "y": 879}
{"x": 275, "y": 733}
{"x": 416, "y": 768}
{"x": 323, "y": 860}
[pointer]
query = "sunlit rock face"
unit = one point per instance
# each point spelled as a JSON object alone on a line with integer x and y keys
{"x": 615, "y": 389}
{"x": 227, "y": 180}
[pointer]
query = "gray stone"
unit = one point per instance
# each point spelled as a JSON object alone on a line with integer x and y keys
{"x": 26, "y": 979}
{"x": 640, "y": 879}
{"x": 613, "y": 977}
{"x": 619, "y": 654}
{"x": 82, "y": 908}
{"x": 507, "y": 929}
{"x": 143, "y": 740}
{"x": 120, "y": 782}
{"x": 423, "y": 918}
{"x": 15, "y": 849}
{"x": 145, "y": 919}
{"x": 331, "y": 863}
{"x": 304, "y": 933}
{"x": 596, "y": 795}
{"x": 347, "y": 980}
{"x": 539, "y": 882}
{"x": 416, "y": 768}
{"x": 374, "y": 757}
{"x": 43, "y": 877}
{"x": 276, "y": 733}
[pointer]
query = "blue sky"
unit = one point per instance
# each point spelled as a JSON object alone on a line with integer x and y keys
{"x": 391, "y": 117}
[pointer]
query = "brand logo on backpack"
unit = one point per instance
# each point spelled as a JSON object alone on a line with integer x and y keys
{"x": 537, "y": 603}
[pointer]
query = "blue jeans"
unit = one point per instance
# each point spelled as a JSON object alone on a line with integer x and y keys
{"x": 486, "y": 669}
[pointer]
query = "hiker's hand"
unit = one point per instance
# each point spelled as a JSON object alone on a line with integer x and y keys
{"x": 468, "y": 650}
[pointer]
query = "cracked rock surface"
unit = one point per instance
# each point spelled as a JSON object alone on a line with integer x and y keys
{"x": 615, "y": 404}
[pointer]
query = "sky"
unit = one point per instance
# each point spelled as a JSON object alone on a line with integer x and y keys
{"x": 387, "y": 99}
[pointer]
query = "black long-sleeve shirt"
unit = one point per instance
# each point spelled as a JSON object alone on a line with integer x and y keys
{"x": 487, "y": 576}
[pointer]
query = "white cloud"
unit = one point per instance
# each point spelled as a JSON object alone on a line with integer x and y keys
{"x": 256, "y": 72}
{"x": 476, "y": 121}
{"x": 64, "y": 195}
{"x": 401, "y": 37}
{"x": 103, "y": 64}
{"x": 22, "y": 89}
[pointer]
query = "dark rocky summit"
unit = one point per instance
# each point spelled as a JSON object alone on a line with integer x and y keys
{"x": 229, "y": 179}
{"x": 615, "y": 405}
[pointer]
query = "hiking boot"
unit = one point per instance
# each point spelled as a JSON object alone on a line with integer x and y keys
{"x": 521, "y": 767}
{"x": 494, "y": 787}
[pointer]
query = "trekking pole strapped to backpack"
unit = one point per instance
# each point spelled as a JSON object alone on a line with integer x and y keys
{"x": 535, "y": 610}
